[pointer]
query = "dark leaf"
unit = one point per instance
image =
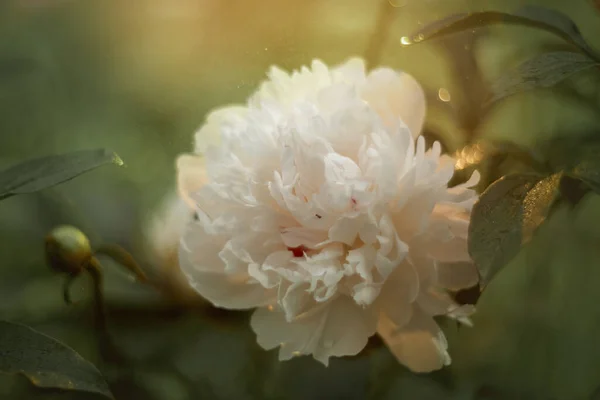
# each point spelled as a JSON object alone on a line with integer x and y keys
{"x": 558, "y": 23}
{"x": 46, "y": 362}
{"x": 532, "y": 16}
{"x": 578, "y": 157}
{"x": 542, "y": 71}
{"x": 588, "y": 168}
{"x": 506, "y": 216}
{"x": 41, "y": 173}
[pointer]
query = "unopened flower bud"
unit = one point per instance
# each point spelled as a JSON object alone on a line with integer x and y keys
{"x": 68, "y": 250}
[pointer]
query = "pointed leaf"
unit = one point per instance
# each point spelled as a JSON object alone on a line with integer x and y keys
{"x": 41, "y": 173}
{"x": 577, "y": 157}
{"x": 542, "y": 71}
{"x": 588, "y": 168}
{"x": 533, "y": 16}
{"x": 506, "y": 216}
{"x": 46, "y": 362}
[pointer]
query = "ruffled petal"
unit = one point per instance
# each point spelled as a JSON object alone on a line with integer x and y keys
{"x": 166, "y": 228}
{"x": 455, "y": 276}
{"x": 399, "y": 292}
{"x": 205, "y": 271}
{"x": 396, "y": 95}
{"x": 191, "y": 176}
{"x": 218, "y": 121}
{"x": 339, "y": 328}
{"x": 420, "y": 345}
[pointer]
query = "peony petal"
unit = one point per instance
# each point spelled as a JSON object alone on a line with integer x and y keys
{"x": 191, "y": 176}
{"x": 399, "y": 291}
{"x": 420, "y": 345}
{"x": 301, "y": 236}
{"x": 205, "y": 271}
{"x": 339, "y": 328}
{"x": 351, "y": 71}
{"x": 210, "y": 133}
{"x": 396, "y": 95}
{"x": 167, "y": 227}
{"x": 435, "y": 302}
{"x": 233, "y": 292}
{"x": 455, "y": 276}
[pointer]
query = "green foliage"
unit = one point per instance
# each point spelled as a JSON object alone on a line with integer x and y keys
{"x": 41, "y": 173}
{"x": 506, "y": 216}
{"x": 531, "y": 16}
{"x": 46, "y": 362}
{"x": 560, "y": 170}
{"x": 542, "y": 71}
{"x": 586, "y": 167}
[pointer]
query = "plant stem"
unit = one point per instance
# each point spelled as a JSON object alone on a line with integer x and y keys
{"x": 379, "y": 36}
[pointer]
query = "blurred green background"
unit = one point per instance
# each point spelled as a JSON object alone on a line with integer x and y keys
{"x": 139, "y": 76}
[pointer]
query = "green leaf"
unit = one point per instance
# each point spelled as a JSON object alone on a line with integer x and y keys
{"x": 532, "y": 16}
{"x": 506, "y": 216}
{"x": 46, "y": 362}
{"x": 41, "y": 173}
{"x": 588, "y": 168}
{"x": 542, "y": 71}
{"x": 577, "y": 157}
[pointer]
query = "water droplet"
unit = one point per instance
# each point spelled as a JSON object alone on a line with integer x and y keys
{"x": 405, "y": 40}
{"x": 397, "y": 3}
{"x": 266, "y": 48}
{"x": 444, "y": 95}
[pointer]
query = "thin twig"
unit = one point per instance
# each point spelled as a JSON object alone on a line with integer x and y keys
{"x": 110, "y": 351}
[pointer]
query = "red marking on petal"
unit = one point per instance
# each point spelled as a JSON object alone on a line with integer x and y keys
{"x": 298, "y": 251}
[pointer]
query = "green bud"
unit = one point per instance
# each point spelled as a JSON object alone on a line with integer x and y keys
{"x": 68, "y": 250}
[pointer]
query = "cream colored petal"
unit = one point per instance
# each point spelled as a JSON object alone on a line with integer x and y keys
{"x": 229, "y": 291}
{"x": 191, "y": 176}
{"x": 421, "y": 345}
{"x": 399, "y": 291}
{"x": 210, "y": 133}
{"x": 455, "y": 276}
{"x": 396, "y": 95}
{"x": 353, "y": 70}
{"x": 454, "y": 250}
{"x": 205, "y": 270}
{"x": 166, "y": 228}
{"x": 339, "y": 328}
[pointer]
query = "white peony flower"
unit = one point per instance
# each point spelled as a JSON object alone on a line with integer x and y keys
{"x": 320, "y": 207}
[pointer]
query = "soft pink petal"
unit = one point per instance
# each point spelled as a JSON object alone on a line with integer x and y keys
{"x": 420, "y": 345}
{"x": 455, "y": 276}
{"x": 191, "y": 176}
{"x": 216, "y": 122}
{"x": 205, "y": 271}
{"x": 339, "y": 328}
{"x": 396, "y": 95}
